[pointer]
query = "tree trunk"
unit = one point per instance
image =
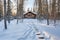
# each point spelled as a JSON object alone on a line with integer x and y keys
{"x": 5, "y": 14}
{"x": 47, "y": 12}
{"x": 21, "y": 10}
{"x": 39, "y": 9}
{"x": 9, "y": 11}
{"x": 54, "y": 10}
{"x": 17, "y": 12}
{"x": 47, "y": 19}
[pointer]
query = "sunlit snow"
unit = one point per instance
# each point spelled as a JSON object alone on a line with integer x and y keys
{"x": 28, "y": 29}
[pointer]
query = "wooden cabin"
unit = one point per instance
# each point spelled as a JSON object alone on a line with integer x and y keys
{"x": 29, "y": 15}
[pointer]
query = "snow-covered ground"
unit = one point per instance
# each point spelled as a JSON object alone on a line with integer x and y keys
{"x": 28, "y": 29}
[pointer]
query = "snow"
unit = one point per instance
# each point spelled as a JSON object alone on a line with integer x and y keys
{"x": 27, "y": 29}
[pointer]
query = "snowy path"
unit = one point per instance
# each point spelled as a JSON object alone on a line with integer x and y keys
{"x": 28, "y": 30}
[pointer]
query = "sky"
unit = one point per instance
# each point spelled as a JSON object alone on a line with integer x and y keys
{"x": 27, "y": 4}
